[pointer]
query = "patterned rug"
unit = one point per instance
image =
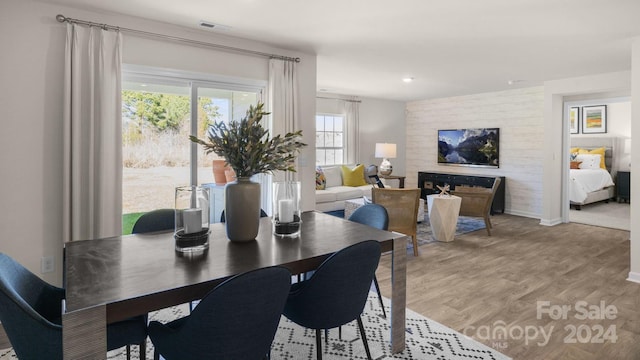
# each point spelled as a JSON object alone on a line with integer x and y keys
{"x": 425, "y": 339}
{"x": 465, "y": 225}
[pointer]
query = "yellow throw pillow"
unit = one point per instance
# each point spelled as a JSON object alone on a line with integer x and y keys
{"x": 353, "y": 177}
{"x": 598, "y": 151}
{"x": 575, "y": 150}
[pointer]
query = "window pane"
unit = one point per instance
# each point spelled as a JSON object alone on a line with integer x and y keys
{"x": 330, "y": 157}
{"x": 320, "y": 139}
{"x": 339, "y": 157}
{"x": 337, "y": 140}
{"x": 155, "y": 144}
{"x": 338, "y": 124}
{"x": 329, "y": 139}
{"x": 319, "y": 123}
{"x": 320, "y": 157}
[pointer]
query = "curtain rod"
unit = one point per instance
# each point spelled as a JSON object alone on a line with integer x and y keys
{"x": 62, "y": 18}
{"x": 332, "y": 98}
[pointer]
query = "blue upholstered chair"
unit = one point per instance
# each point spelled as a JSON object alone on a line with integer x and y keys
{"x": 236, "y": 320}
{"x": 375, "y": 216}
{"x": 155, "y": 220}
{"x": 31, "y": 314}
{"x": 336, "y": 293}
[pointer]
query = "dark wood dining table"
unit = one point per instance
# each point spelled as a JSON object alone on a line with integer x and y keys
{"x": 111, "y": 279}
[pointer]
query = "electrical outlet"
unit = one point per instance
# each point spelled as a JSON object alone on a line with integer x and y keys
{"x": 47, "y": 264}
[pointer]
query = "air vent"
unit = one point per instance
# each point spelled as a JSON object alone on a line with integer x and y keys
{"x": 213, "y": 26}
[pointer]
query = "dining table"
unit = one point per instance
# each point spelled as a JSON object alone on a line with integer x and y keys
{"x": 112, "y": 279}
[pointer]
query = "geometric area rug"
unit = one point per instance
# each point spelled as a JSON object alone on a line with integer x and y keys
{"x": 425, "y": 339}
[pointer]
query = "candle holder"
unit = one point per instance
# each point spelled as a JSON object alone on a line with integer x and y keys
{"x": 286, "y": 208}
{"x": 192, "y": 219}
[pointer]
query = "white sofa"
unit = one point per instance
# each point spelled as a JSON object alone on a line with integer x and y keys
{"x": 335, "y": 193}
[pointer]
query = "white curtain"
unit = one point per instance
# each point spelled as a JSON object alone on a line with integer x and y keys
{"x": 282, "y": 102}
{"x": 92, "y": 194}
{"x": 352, "y": 130}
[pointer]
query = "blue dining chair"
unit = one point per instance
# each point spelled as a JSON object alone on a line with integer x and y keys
{"x": 31, "y": 314}
{"x": 238, "y": 319}
{"x": 336, "y": 293}
{"x": 375, "y": 216}
{"x": 155, "y": 220}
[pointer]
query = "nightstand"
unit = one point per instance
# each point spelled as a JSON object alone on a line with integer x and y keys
{"x": 395, "y": 177}
{"x": 623, "y": 185}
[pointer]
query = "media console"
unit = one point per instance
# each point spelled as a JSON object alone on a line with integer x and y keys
{"x": 427, "y": 182}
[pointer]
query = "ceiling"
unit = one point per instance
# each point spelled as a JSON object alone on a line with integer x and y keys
{"x": 453, "y": 47}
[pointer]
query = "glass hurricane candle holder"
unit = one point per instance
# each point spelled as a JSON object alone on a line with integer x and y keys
{"x": 286, "y": 208}
{"x": 192, "y": 219}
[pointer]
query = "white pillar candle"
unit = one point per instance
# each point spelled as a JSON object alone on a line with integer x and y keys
{"x": 192, "y": 219}
{"x": 285, "y": 210}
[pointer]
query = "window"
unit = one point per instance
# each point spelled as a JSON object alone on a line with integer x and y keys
{"x": 329, "y": 139}
{"x": 158, "y": 115}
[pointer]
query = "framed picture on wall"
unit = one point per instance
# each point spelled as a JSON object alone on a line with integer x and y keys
{"x": 574, "y": 120}
{"x": 594, "y": 119}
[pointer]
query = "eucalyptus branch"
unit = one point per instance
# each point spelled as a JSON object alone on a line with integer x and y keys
{"x": 246, "y": 147}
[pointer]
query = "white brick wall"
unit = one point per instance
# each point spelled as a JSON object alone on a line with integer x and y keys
{"x": 518, "y": 114}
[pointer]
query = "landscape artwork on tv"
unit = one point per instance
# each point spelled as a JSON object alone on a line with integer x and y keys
{"x": 469, "y": 147}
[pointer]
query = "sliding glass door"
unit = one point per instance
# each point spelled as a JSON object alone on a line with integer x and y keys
{"x": 158, "y": 115}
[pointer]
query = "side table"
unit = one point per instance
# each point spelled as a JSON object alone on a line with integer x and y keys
{"x": 623, "y": 186}
{"x": 443, "y": 215}
{"x": 395, "y": 177}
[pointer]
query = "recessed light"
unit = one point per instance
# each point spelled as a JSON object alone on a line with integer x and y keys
{"x": 407, "y": 79}
{"x": 513, "y": 82}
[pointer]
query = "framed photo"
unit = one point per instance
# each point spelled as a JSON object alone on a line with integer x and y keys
{"x": 594, "y": 119}
{"x": 574, "y": 120}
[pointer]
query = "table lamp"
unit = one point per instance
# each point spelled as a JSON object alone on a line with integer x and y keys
{"x": 385, "y": 151}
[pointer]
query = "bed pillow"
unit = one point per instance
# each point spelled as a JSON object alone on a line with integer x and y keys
{"x": 353, "y": 177}
{"x": 599, "y": 151}
{"x": 589, "y": 161}
{"x": 321, "y": 180}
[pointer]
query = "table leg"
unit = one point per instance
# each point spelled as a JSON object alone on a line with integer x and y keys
{"x": 398, "y": 293}
{"x": 84, "y": 334}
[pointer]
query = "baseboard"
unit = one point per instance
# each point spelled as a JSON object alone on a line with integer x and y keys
{"x": 551, "y": 222}
{"x": 634, "y": 277}
{"x": 522, "y": 213}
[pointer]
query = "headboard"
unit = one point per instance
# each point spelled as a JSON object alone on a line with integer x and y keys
{"x": 610, "y": 145}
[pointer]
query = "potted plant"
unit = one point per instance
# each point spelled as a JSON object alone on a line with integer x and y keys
{"x": 246, "y": 147}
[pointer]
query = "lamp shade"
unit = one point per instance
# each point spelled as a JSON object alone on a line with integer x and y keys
{"x": 385, "y": 150}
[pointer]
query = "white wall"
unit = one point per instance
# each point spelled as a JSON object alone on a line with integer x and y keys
{"x": 380, "y": 121}
{"x": 518, "y": 114}
{"x": 634, "y": 271}
{"x": 31, "y": 72}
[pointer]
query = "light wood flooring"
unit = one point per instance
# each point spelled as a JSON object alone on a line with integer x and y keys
{"x": 478, "y": 283}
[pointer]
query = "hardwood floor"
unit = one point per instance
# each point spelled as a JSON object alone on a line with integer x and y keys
{"x": 480, "y": 285}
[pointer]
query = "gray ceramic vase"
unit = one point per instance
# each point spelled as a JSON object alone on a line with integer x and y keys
{"x": 242, "y": 209}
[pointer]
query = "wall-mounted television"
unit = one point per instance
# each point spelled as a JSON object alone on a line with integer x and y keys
{"x": 469, "y": 147}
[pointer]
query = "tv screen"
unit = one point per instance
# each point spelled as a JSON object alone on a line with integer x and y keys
{"x": 469, "y": 147}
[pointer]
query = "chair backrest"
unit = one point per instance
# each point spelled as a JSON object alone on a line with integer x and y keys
{"x": 337, "y": 291}
{"x": 373, "y": 215}
{"x": 476, "y": 201}
{"x": 236, "y": 320}
{"x": 402, "y": 207}
{"x": 30, "y": 312}
{"x": 155, "y": 220}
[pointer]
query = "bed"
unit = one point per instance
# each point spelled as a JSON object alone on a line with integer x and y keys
{"x": 591, "y": 183}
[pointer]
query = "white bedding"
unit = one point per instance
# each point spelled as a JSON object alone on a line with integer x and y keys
{"x": 584, "y": 181}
